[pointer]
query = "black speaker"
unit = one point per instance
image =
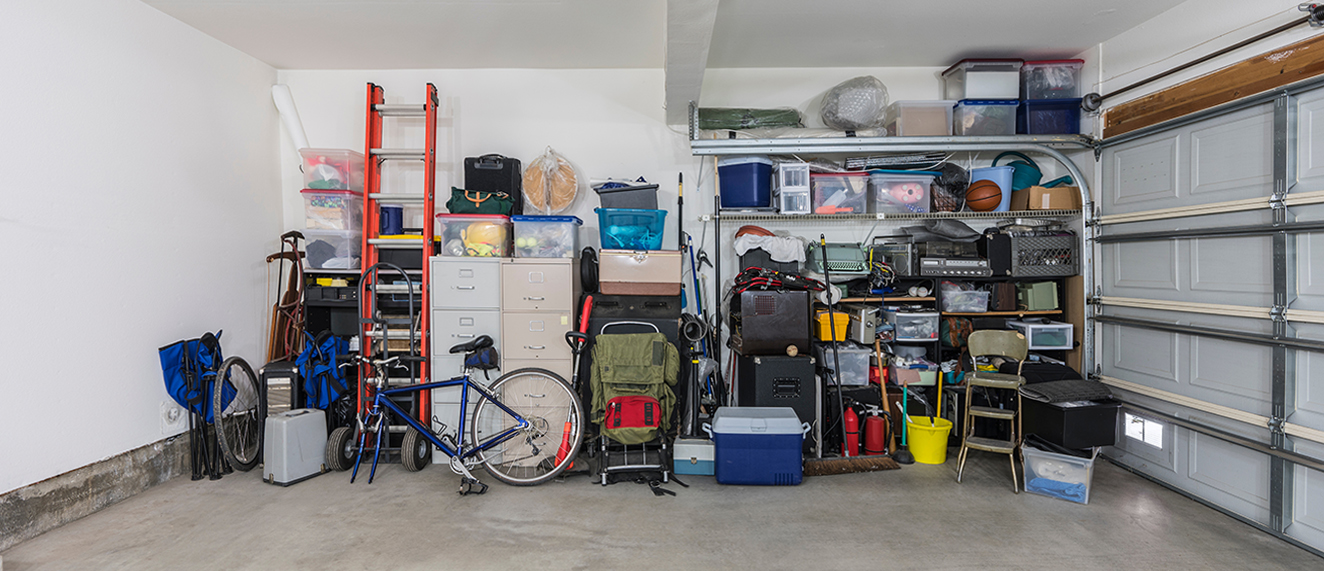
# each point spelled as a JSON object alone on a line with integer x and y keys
{"x": 771, "y": 321}
{"x": 778, "y": 380}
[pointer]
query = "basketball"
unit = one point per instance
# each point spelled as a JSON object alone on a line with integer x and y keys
{"x": 983, "y": 196}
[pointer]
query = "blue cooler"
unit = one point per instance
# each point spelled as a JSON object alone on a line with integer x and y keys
{"x": 746, "y": 182}
{"x": 757, "y": 445}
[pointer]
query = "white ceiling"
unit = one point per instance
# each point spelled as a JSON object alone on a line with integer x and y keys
{"x": 422, "y": 34}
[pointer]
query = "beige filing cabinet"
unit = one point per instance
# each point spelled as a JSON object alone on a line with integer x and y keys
{"x": 537, "y": 309}
{"x": 466, "y": 303}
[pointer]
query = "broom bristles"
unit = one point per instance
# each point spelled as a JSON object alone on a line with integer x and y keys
{"x": 851, "y": 465}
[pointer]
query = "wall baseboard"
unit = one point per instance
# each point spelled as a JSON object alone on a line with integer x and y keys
{"x": 32, "y": 510}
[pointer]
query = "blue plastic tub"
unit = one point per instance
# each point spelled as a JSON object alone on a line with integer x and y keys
{"x": 746, "y": 182}
{"x": 757, "y": 446}
{"x": 999, "y": 175}
{"x": 1049, "y": 117}
{"x": 631, "y": 228}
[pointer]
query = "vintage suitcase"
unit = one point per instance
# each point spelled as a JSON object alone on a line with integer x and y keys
{"x": 495, "y": 173}
{"x": 639, "y": 272}
{"x": 773, "y": 321}
{"x": 294, "y": 445}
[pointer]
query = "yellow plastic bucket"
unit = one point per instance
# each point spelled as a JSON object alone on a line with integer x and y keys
{"x": 928, "y": 443}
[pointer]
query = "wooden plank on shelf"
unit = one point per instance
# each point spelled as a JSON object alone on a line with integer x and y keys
{"x": 1280, "y": 67}
{"x": 902, "y": 299}
{"x": 1075, "y": 315}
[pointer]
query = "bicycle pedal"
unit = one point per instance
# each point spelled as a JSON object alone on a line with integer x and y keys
{"x": 467, "y": 487}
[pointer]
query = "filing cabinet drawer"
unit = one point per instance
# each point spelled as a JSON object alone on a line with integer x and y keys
{"x": 450, "y": 327}
{"x": 535, "y": 335}
{"x": 466, "y": 283}
{"x": 557, "y": 366}
{"x": 532, "y": 286}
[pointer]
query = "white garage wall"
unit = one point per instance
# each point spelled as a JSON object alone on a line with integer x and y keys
{"x": 140, "y": 197}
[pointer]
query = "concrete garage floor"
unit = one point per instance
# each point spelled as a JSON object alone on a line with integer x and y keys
{"x": 914, "y": 518}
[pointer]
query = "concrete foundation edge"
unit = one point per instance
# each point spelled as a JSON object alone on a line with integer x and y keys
{"x": 32, "y": 510}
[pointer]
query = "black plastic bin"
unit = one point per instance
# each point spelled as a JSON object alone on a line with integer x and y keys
{"x": 643, "y": 196}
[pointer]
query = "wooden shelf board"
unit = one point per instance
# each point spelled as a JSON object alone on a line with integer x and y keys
{"x": 875, "y": 298}
{"x": 1003, "y": 313}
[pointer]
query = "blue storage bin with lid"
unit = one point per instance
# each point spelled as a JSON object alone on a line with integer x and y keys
{"x": 631, "y": 228}
{"x": 546, "y": 236}
{"x": 746, "y": 182}
{"x": 1049, "y": 117}
{"x": 757, "y": 445}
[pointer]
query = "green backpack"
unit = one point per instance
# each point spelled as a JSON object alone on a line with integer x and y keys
{"x": 631, "y": 380}
{"x": 479, "y": 202}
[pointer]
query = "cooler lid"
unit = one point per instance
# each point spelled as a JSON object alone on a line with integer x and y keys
{"x": 733, "y": 161}
{"x": 756, "y": 420}
{"x": 574, "y": 219}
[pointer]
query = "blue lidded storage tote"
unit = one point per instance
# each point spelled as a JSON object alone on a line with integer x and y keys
{"x": 757, "y": 446}
{"x": 631, "y": 228}
{"x": 746, "y": 182}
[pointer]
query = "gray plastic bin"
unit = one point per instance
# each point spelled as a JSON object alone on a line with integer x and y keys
{"x": 642, "y": 196}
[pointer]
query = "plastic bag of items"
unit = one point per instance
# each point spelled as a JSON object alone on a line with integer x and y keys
{"x": 855, "y": 104}
{"x": 742, "y": 118}
{"x": 550, "y": 183}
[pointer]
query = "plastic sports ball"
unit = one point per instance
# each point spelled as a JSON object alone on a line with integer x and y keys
{"x": 908, "y": 193}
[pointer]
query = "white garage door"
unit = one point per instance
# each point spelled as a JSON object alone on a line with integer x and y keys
{"x": 1210, "y": 321}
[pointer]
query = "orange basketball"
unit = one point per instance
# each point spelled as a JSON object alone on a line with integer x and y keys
{"x": 983, "y": 196}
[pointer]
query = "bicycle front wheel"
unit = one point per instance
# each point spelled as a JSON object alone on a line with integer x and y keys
{"x": 547, "y": 445}
{"x": 239, "y": 413}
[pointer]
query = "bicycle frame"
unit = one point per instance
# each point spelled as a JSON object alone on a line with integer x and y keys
{"x": 464, "y": 381}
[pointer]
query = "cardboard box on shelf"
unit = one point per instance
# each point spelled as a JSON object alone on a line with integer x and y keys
{"x": 1041, "y": 198}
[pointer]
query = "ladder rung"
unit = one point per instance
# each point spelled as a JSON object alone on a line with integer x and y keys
{"x": 401, "y": 110}
{"x": 395, "y": 197}
{"x": 990, "y": 412}
{"x": 396, "y": 288}
{"x": 391, "y": 334}
{"x": 396, "y": 243}
{"x": 416, "y": 154}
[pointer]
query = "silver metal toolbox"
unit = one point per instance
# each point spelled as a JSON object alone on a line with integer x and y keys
{"x": 294, "y": 445}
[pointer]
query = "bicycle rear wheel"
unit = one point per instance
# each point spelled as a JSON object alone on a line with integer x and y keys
{"x": 239, "y": 413}
{"x": 551, "y": 441}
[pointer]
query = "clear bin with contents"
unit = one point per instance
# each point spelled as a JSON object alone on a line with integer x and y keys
{"x": 333, "y": 249}
{"x": 332, "y": 169}
{"x": 840, "y": 193}
{"x": 985, "y": 117}
{"x": 332, "y": 209}
{"x": 919, "y": 118}
{"x": 546, "y": 236}
{"x": 1051, "y": 79}
{"x": 476, "y": 235}
{"x": 900, "y": 191}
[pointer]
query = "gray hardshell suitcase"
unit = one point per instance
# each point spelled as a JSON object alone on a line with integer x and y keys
{"x": 294, "y": 445}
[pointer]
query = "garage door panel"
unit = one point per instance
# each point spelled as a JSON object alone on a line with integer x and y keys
{"x": 1310, "y": 271}
{"x": 1230, "y": 475}
{"x": 1142, "y": 174}
{"x": 1243, "y": 265}
{"x": 1309, "y": 379}
{"x": 1233, "y": 368}
{"x": 1308, "y": 498}
{"x": 1233, "y": 158}
{"x": 1310, "y": 142}
{"x": 1156, "y": 460}
{"x": 1142, "y": 355}
{"x": 1141, "y": 266}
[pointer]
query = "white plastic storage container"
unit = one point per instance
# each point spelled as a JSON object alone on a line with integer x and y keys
{"x": 984, "y": 117}
{"x": 1051, "y": 79}
{"x": 983, "y": 79}
{"x": 840, "y": 193}
{"x": 900, "y": 191}
{"x": 919, "y": 118}
{"x": 478, "y": 235}
{"x": 333, "y": 249}
{"x": 1046, "y": 335}
{"x": 332, "y": 209}
{"x": 332, "y": 169}
{"x": 854, "y": 362}
{"x": 913, "y": 325}
{"x": 1057, "y": 475}
{"x": 790, "y": 188}
{"x": 546, "y": 236}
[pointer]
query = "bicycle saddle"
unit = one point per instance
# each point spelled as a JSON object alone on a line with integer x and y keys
{"x": 482, "y": 341}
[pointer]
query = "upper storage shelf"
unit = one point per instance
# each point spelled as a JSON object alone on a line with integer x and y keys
{"x": 752, "y": 216}
{"x": 884, "y": 144}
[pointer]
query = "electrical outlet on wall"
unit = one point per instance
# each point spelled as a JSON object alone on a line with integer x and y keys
{"x": 174, "y": 419}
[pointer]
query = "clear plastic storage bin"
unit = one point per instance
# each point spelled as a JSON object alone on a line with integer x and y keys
{"x": 332, "y": 169}
{"x": 1046, "y": 335}
{"x": 919, "y": 118}
{"x": 1057, "y": 475}
{"x": 840, "y": 193}
{"x": 984, "y": 117}
{"x": 790, "y": 188}
{"x": 854, "y": 362}
{"x": 965, "y": 301}
{"x": 900, "y": 191}
{"x": 332, "y": 209}
{"x": 913, "y": 325}
{"x": 983, "y": 79}
{"x": 476, "y": 235}
{"x": 333, "y": 249}
{"x": 1051, "y": 79}
{"x": 631, "y": 228}
{"x": 546, "y": 236}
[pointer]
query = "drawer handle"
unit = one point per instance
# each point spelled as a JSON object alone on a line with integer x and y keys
{"x": 463, "y": 335}
{"x": 464, "y": 287}
{"x": 534, "y": 298}
{"x": 535, "y": 347}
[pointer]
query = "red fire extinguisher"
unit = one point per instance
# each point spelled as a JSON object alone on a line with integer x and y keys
{"x": 875, "y": 431}
{"x": 852, "y": 444}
